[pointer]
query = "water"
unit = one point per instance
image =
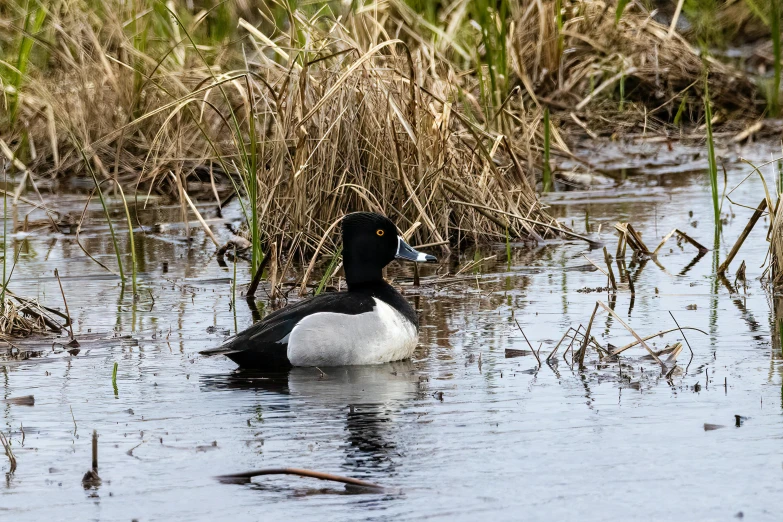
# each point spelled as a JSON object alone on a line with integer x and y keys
{"x": 461, "y": 431}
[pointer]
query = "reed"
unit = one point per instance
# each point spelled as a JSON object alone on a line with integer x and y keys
{"x": 547, "y": 172}
{"x": 33, "y": 22}
{"x": 130, "y": 238}
{"x": 491, "y": 51}
{"x": 774, "y": 27}
{"x": 328, "y": 272}
{"x": 508, "y": 249}
{"x": 713, "y": 165}
{"x": 618, "y": 13}
{"x": 5, "y": 235}
{"x": 106, "y": 212}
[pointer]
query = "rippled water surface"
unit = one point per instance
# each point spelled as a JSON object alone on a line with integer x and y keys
{"x": 463, "y": 431}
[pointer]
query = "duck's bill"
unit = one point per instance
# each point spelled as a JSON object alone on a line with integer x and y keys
{"x": 405, "y": 251}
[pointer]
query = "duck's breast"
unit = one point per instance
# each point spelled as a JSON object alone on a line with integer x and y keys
{"x": 334, "y": 339}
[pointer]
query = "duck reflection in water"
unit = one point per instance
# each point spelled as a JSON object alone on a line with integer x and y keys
{"x": 368, "y": 398}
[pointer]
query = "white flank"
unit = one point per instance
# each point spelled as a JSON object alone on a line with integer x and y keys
{"x": 332, "y": 339}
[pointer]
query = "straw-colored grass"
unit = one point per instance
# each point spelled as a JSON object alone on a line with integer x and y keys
{"x": 657, "y": 67}
{"x": 431, "y": 116}
{"x": 326, "y": 114}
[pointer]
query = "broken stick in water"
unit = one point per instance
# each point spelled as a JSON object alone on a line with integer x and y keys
{"x": 538, "y": 358}
{"x": 9, "y": 453}
{"x": 608, "y": 260}
{"x": 91, "y": 478}
{"x": 243, "y": 478}
{"x": 73, "y": 343}
{"x": 735, "y": 249}
{"x": 586, "y": 340}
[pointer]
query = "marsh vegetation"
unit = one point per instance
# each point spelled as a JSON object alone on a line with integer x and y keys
{"x": 601, "y": 179}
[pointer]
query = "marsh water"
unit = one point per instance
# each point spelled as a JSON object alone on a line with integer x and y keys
{"x": 465, "y": 430}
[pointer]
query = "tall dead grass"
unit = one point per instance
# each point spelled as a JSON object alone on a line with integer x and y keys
{"x": 594, "y": 57}
{"x": 322, "y": 115}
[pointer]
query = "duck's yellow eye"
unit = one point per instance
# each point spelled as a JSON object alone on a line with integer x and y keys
{"x": 380, "y": 232}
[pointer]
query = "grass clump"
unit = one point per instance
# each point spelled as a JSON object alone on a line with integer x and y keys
{"x": 303, "y": 116}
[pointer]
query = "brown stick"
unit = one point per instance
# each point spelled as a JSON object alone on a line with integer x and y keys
{"x": 702, "y": 249}
{"x": 631, "y": 330}
{"x": 554, "y": 351}
{"x": 735, "y": 249}
{"x": 609, "y": 268}
{"x": 246, "y": 476}
{"x": 637, "y": 239}
{"x": 10, "y": 454}
{"x": 620, "y": 254}
{"x": 95, "y": 450}
{"x": 73, "y": 342}
{"x": 251, "y": 290}
{"x": 528, "y": 343}
{"x": 586, "y": 341}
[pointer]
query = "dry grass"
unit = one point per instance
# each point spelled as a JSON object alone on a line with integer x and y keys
{"x": 22, "y": 317}
{"x": 658, "y": 67}
{"x": 326, "y": 114}
{"x": 325, "y": 109}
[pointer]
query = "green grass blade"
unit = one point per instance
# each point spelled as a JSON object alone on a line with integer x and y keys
{"x": 713, "y": 166}
{"x": 621, "y": 5}
{"x": 32, "y": 24}
{"x": 103, "y": 204}
{"x": 329, "y": 271}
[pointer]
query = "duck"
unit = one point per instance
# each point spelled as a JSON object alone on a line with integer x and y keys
{"x": 370, "y": 323}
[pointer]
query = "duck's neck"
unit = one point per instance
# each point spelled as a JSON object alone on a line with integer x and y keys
{"x": 385, "y": 292}
{"x": 358, "y": 274}
{"x": 371, "y": 287}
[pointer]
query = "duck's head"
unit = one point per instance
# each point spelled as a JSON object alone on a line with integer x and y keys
{"x": 370, "y": 242}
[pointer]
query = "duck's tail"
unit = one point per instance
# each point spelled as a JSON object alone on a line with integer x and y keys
{"x": 223, "y": 349}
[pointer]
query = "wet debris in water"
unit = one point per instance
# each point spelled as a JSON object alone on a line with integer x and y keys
{"x": 580, "y": 341}
{"x": 597, "y": 289}
{"x": 91, "y": 480}
{"x": 24, "y": 400}
{"x": 8, "y": 452}
{"x": 739, "y": 420}
{"x": 511, "y": 353}
{"x": 352, "y": 484}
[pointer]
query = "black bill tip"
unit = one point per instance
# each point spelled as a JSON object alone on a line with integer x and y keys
{"x": 407, "y": 252}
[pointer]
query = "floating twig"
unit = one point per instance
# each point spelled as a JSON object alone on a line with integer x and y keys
{"x": 25, "y": 400}
{"x": 243, "y": 478}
